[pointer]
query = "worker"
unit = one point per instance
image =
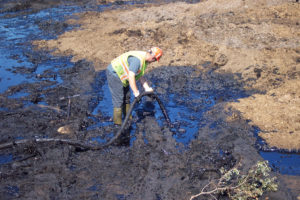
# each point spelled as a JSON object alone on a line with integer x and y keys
{"x": 123, "y": 72}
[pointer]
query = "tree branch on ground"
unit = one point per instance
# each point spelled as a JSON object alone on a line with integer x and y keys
{"x": 241, "y": 187}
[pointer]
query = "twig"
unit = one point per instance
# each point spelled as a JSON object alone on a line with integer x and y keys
{"x": 49, "y": 140}
{"x": 69, "y": 108}
{"x": 69, "y": 97}
{"x": 213, "y": 196}
{"x": 219, "y": 189}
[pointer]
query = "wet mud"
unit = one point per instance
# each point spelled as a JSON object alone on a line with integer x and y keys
{"x": 71, "y": 100}
{"x": 155, "y": 163}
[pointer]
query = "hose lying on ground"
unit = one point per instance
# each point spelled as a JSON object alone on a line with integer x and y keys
{"x": 88, "y": 146}
{"x": 136, "y": 100}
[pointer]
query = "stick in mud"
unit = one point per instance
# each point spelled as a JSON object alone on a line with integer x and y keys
{"x": 84, "y": 145}
{"x": 69, "y": 108}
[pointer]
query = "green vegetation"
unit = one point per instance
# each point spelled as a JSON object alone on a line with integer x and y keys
{"x": 242, "y": 187}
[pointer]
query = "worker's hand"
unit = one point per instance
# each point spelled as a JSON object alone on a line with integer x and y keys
{"x": 149, "y": 89}
{"x": 136, "y": 94}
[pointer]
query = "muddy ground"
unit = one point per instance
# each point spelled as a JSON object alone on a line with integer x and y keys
{"x": 257, "y": 39}
{"x": 251, "y": 47}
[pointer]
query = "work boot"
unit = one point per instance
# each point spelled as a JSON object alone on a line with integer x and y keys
{"x": 127, "y": 107}
{"x": 117, "y": 116}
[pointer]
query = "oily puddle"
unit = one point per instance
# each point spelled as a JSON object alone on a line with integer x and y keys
{"x": 26, "y": 75}
{"x": 18, "y": 62}
{"x": 187, "y": 93}
{"x": 283, "y": 161}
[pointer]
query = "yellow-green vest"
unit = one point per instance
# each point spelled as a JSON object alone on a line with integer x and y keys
{"x": 121, "y": 66}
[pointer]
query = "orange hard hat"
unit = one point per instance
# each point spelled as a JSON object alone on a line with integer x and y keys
{"x": 157, "y": 52}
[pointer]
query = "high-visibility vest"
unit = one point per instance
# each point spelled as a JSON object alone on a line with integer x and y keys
{"x": 121, "y": 66}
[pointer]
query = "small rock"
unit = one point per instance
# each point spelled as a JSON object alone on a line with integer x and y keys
{"x": 220, "y": 60}
{"x": 65, "y": 130}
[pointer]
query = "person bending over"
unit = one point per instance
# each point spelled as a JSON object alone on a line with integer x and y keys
{"x": 123, "y": 72}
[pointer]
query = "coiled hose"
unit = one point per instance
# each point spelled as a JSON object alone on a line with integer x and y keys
{"x": 87, "y": 146}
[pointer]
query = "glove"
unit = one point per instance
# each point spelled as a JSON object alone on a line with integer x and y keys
{"x": 136, "y": 94}
{"x": 149, "y": 89}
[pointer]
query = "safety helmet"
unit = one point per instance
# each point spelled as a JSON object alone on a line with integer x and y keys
{"x": 157, "y": 52}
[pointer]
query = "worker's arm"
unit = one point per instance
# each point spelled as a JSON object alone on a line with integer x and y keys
{"x": 132, "y": 83}
{"x": 146, "y": 85}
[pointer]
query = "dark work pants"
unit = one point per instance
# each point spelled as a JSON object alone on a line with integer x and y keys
{"x": 120, "y": 94}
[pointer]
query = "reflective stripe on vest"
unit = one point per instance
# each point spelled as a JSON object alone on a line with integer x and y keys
{"x": 121, "y": 66}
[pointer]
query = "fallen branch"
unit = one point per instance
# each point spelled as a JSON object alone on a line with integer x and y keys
{"x": 243, "y": 187}
{"x": 51, "y": 140}
{"x": 218, "y": 188}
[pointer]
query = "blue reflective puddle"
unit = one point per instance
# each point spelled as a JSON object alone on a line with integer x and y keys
{"x": 16, "y": 33}
{"x": 282, "y": 162}
{"x": 6, "y": 158}
{"x": 18, "y": 95}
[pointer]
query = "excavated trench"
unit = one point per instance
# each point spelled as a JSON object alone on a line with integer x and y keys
{"x": 41, "y": 93}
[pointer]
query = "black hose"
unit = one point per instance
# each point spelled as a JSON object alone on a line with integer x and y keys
{"x": 136, "y": 100}
{"x": 87, "y": 146}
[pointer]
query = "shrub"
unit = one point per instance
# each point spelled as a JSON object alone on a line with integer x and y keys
{"x": 242, "y": 187}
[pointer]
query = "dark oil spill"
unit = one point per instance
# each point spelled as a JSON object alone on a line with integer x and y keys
{"x": 186, "y": 92}
{"x": 186, "y": 97}
{"x": 284, "y": 163}
{"x": 18, "y": 63}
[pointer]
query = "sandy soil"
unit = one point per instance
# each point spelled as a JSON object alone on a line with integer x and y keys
{"x": 258, "y": 39}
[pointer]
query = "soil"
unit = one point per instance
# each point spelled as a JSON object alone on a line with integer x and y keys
{"x": 246, "y": 51}
{"x": 257, "y": 39}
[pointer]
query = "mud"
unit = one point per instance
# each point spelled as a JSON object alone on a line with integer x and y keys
{"x": 155, "y": 166}
{"x": 258, "y": 39}
{"x": 71, "y": 100}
